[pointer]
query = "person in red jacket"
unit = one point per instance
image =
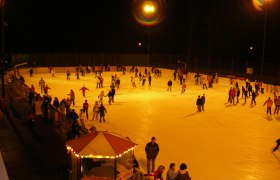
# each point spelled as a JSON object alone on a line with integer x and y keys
{"x": 85, "y": 107}
{"x": 268, "y": 103}
{"x": 158, "y": 173}
{"x": 46, "y": 89}
{"x": 83, "y": 89}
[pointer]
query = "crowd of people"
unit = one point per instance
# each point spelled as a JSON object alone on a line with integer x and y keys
{"x": 152, "y": 148}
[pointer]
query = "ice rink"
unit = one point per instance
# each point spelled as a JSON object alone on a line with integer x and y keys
{"x": 225, "y": 142}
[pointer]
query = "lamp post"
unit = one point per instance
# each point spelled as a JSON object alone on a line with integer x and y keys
{"x": 149, "y": 11}
{"x": 264, "y": 5}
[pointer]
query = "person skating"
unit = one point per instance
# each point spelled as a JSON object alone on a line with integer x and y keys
{"x": 102, "y": 111}
{"x": 242, "y": 91}
{"x": 95, "y": 110}
{"x": 143, "y": 80}
{"x": 237, "y": 94}
{"x": 203, "y": 102}
{"x": 169, "y": 84}
{"x": 85, "y": 107}
{"x": 100, "y": 96}
{"x": 110, "y": 96}
{"x": 133, "y": 82}
{"x": 150, "y": 80}
{"x": 253, "y": 98}
{"x": 277, "y": 105}
{"x": 232, "y": 93}
{"x": 245, "y": 94}
{"x": 31, "y": 72}
{"x": 53, "y": 72}
{"x": 72, "y": 97}
{"x": 171, "y": 173}
{"x": 204, "y": 82}
{"x": 84, "y": 89}
{"x": 268, "y": 104}
{"x": 277, "y": 145}
{"x": 158, "y": 173}
{"x": 42, "y": 85}
{"x": 46, "y": 90}
{"x": 183, "y": 173}
{"x": 152, "y": 150}
{"x": 68, "y": 75}
{"x": 199, "y": 103}
{"x": 113, "y": 94}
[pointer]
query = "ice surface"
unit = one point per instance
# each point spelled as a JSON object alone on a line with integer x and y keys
{"x": 225, "y": 142}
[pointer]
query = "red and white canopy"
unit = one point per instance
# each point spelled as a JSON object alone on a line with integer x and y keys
{"x": 100, "y": 145}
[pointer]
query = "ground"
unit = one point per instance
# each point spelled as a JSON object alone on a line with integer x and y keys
{"x": 232, "y": 142}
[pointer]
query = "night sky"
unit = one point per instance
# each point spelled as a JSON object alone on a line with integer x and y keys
{"x": 207, "y": 28}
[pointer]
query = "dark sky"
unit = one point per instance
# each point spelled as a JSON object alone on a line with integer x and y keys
{"x": 206, "y": 28}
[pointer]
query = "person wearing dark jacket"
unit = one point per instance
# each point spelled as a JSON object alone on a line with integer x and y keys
{"x": 56, "y": 102}
{"x": 253, "y": 98}
{"x": 183, "y": 173}
{"x": 152, "y": 150}
{"x": 169, "y": 84}
{"x": 199, "y": 103}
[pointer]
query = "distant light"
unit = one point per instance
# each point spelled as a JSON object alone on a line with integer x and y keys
{"x": 149, "y": 12}
{"x": 139, "y": 44}
{"x": 259, "y": 4}
{"x": 251, "y": 47}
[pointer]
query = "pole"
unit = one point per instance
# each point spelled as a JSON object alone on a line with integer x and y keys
{"x": 2, "y": 53}
{"x": 148, "y": 46}
{"x": 264, "y": 38}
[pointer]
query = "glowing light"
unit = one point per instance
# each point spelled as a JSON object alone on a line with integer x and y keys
{"x": 149, "y": 12}
{"x": 98, "y": 156}
{"x": 149, "y": 8}
{"x": 259, "y": 4}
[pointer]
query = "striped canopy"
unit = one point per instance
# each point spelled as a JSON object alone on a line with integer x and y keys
{"x": 101, "y": 144}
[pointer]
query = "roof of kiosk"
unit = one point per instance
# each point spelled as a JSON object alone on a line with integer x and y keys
{"x": 100, "y": 144}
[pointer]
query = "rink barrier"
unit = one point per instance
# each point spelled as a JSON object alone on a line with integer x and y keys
{"x": 57, "y": 119}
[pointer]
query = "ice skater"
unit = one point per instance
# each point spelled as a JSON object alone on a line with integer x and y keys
{"x": 102, "y": 111}
{"x": 203, "y": 102}
{"x": 199, "y": 103}
{"x": 152, "y": 150}
{"x": 169, "y": 84}
{"x": 277, "y": 145}
{"x": 42, "y": 84}
{"x": 85, "y": 107}
{"x": 110, "y": 96}
{"x": 72, "y": 97}
{"x": 100, "y": 96}
{"x": 95, "y": 110}
{"x": 150, "y": 80}
{"x": 277, "y": 105}
{"x": 268, "y": 104}
{"x": 84, "y": 89}
{"x": 68, "y": 75}
{"x": 253, "y": 98}
{"x": 133, "y": 82}
{"x": 46, "y": 90}
{"x": 53, "y": 72}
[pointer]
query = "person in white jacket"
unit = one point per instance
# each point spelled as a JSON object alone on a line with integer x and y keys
{"x": 171, "y": 173}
